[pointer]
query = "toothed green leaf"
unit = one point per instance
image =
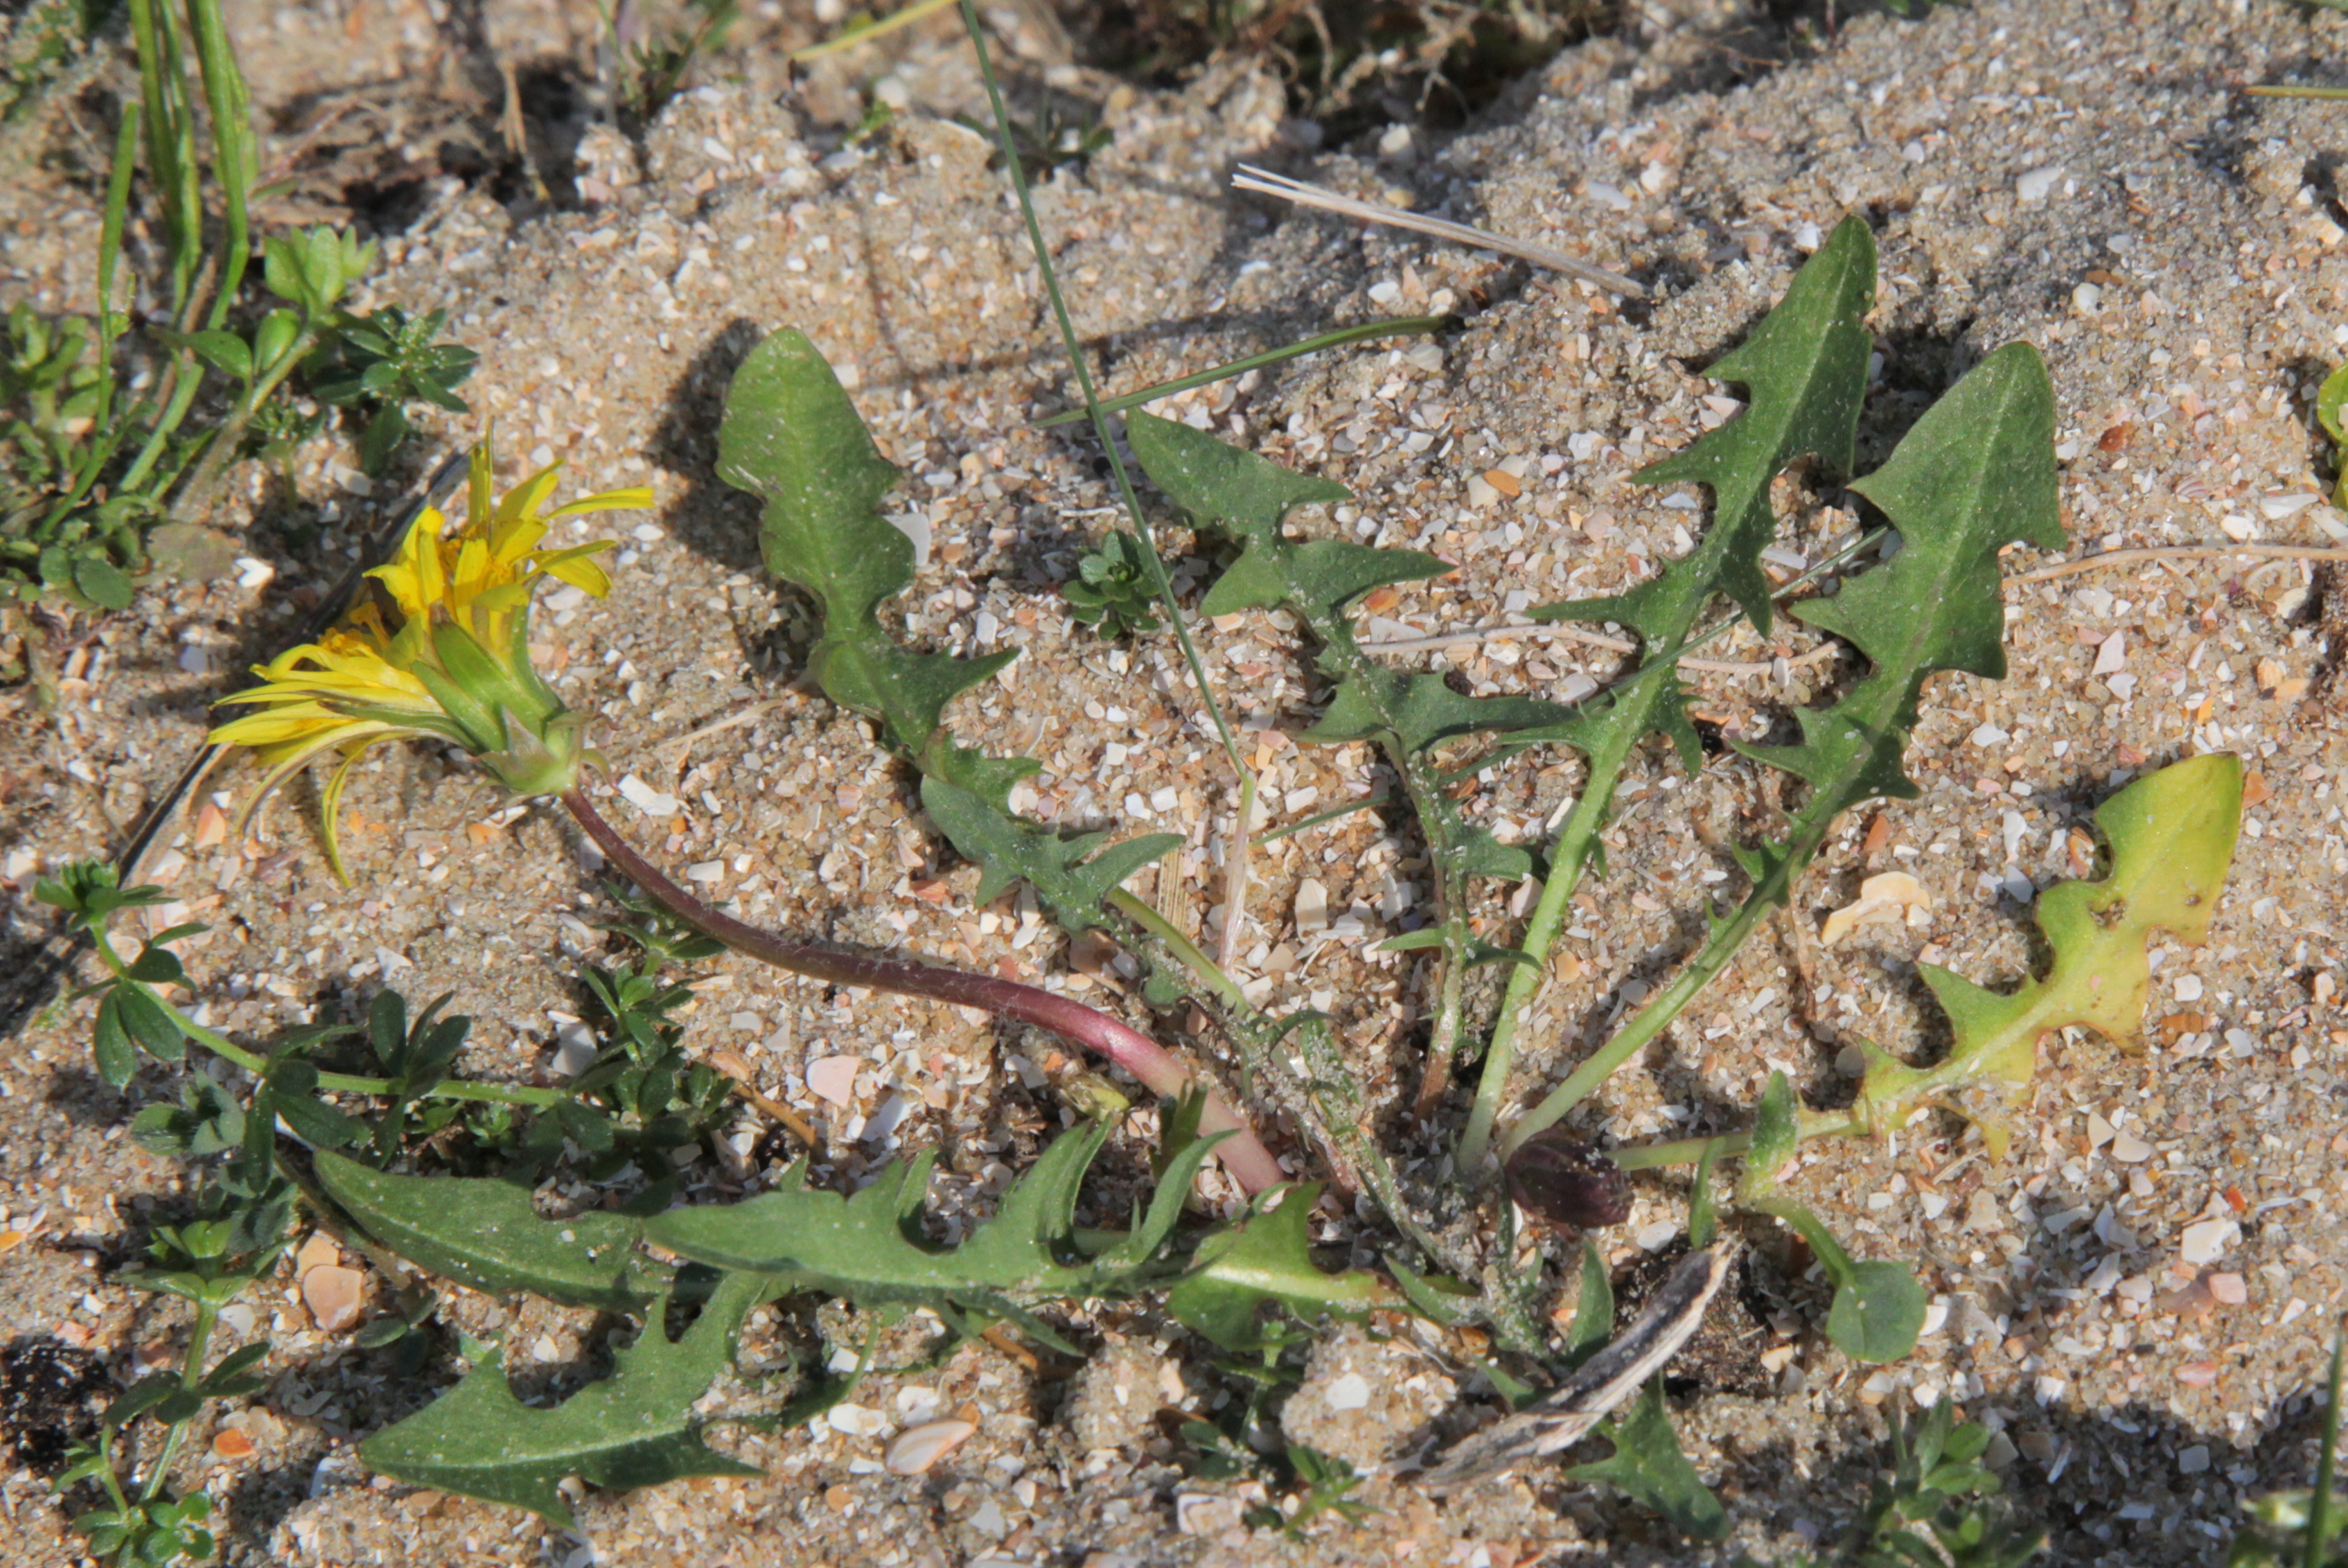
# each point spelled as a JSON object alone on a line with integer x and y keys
{"x": 1593, "y": 1308}
{"x": 1804, "y": 369}
{"x": 635, "y": 1428}
{"x": 1247, "y": 499}
{"x": 868, "y": 1247}
{"x": 1648, "y": 1467}
{"x": 1976, "y": 473}
{"x": 1266, "y": 1260}
{"x": 1072, "y": 875}
{"x": 488, "y": 1235}
{"x": 792, "y": 436}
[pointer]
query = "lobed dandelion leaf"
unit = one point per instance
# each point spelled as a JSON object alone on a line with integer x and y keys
{"x": 636, "y": 1427}
{"x": 488, "y": 1235}
{"x": 792, "y": 436}
{"x": 868, "y": 1248}
{"x": 2172, "y": 836}
{"x": 1803, "y": 369}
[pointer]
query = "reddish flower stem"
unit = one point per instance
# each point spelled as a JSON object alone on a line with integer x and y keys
{"x": 1242, "y": 1154}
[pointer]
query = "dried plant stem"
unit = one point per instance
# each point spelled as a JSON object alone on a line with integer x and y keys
{"x": 1509, "y": 631}
{"x": 1235, "y": 875}
{"x": 1264, "y": 181}
{"x": 775, "y": 1109}
{"x": 2179, "y": 552}
{"x": 1249, "y": 1163}
{"x": 1393, "y": 327}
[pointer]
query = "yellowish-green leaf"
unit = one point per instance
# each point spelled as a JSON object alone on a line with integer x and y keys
{"x": 2172, "y": 836}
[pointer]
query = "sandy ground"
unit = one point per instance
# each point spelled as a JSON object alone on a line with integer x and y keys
{"x": 2091, "y": 179}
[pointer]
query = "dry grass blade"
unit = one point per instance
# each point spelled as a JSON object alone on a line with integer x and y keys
{"x": 1512, "y": 629}
{"x": 2179, "y": 552}
{"x": 1265, "y": 183}
{"x": 1565, "y": 1414}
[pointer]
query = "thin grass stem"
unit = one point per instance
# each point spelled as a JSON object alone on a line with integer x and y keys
{"x": 1192, "y": 957}
{"x": 255, "y": 1063}
{"x": 191, "y": 1373}
{"x": 1264, "y": 183}
{"x": 234, "y": 165}
{"x": 1124, "y": 479}
{"x": 1396, "y": 327}
{"x": 2321, "y": 1506}
{"x": 882, "y": 28}
{"x": 109, "y": 258}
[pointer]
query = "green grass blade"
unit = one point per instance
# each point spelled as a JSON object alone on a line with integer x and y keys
{"x": 111, "y": 322}
{"x": 234, "y": 163}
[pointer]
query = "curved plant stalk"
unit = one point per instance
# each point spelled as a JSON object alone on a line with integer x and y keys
{"x": 1249, "y": 1163}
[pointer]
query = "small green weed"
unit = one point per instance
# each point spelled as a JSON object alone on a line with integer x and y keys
{"x": 652, "y": 72}
{"x": 1112, "y": 592}
{"x": 1324, "y": 1483}
{"x": 1936, "y": 1507}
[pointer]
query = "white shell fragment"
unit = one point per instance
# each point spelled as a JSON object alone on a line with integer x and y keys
{"x": 2207, "y": 1241}
{"x": 652, "y": 802}
{"x": 856, "y": 1421}
{"x": 834, "y": 1078}
{"x": 916, "y": 1449}
{"x": 1883, "y": 900}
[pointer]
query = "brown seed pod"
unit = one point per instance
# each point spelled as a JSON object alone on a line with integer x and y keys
{"x": 1559, "y": 1179}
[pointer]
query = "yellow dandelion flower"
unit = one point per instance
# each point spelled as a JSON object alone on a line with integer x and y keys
{"x": 449, "y": 655}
